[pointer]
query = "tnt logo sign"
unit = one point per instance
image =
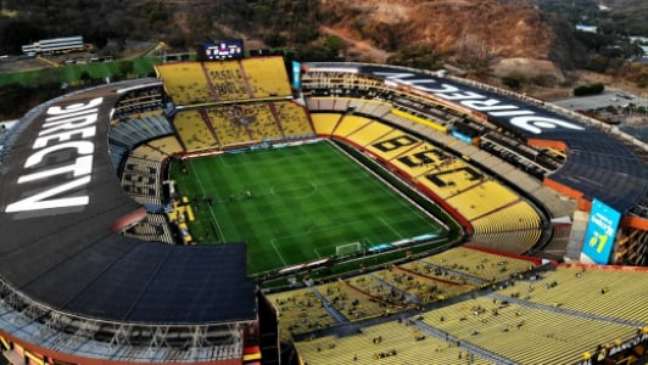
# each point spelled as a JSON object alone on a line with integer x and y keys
{"x": 601, "y": 233}
{"x": 599, "y": 241}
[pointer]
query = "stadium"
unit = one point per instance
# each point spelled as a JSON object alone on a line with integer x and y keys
{"x": 259, "y": 211}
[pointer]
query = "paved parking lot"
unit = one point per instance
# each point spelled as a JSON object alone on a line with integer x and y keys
{"x": 615, "y": 98}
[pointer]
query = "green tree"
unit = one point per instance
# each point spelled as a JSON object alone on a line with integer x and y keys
{"x": 126, "y": 68}
{"x": 85, "y": 77}
{"x": 417, "y": 56}
{"x": 334, "y": 45}
{"x": 16, "y": 33}
{"x": 304, "y": 33}
{"x": 512, "y": 82}
{"x": 585, "y": 90}
{"x": 275, "y": 39}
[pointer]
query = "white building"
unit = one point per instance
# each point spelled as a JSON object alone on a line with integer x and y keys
{"x": 642, "y": 42}
{"x": 55, "y": 45}
{"x": 587, "y": 28}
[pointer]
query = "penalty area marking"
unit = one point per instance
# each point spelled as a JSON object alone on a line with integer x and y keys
{"x": 327, "y": 228}
{"x": 390, "y": 227}
{"x": 388, "y": 187}
{"x": 272, "y": 242}
{"x": 202, "y": 188}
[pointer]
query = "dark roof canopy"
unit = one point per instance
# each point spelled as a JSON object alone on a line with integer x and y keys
{"x": 70, "y": 259}
{"x": 598, "y": 164}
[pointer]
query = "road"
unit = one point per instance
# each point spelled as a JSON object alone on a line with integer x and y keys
{"x": 611, "y": 97}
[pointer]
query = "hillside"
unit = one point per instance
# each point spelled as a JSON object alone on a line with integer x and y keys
{"x": 624, "y": 5}
{"x": 612, "y": 16}
{"x": 468, "y": 31}
{"x": 629, "y": 16}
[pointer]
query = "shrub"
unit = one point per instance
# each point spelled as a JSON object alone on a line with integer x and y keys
{"x": 593, "y": 89}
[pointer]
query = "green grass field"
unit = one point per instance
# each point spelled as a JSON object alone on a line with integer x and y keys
{"x": 294, "y": 204}
{"x": 72, "y": 73}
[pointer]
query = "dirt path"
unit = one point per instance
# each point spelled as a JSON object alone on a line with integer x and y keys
{"x": 363, "y": 48}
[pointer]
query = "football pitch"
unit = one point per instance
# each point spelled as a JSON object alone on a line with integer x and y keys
{"x": 294, "y": 204}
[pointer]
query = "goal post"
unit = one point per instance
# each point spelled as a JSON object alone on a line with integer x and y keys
{"x": 349, "y": 249}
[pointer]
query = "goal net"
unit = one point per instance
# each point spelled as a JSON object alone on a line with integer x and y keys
{"x": 349, "y": 249}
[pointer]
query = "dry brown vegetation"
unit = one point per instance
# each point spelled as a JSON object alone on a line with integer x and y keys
{"x": 467, "y": 29}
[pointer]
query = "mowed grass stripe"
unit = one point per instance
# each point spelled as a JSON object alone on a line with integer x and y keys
{"x": 294, "y": 204}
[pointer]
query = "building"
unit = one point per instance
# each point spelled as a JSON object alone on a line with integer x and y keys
{"x": 158, "y": 311}
{"x": 587, "y": 28}
{"x": 54, "y": 45}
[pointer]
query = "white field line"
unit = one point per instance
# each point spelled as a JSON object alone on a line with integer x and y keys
{"x": 272, "y": 242}
{"x": 386, "y": 185}
{"x": 391, "y": 228}
{"x": 202, "y": 188}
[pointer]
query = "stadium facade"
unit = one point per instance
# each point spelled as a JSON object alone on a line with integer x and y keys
{"x": 89, "y": 272}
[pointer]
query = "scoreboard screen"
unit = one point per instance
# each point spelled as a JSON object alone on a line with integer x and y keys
{"x": 296, "y": 78}
{"x": 223, "y": 50}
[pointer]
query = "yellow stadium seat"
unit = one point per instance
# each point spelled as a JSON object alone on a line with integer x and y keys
{"x": 167, "y": 145}
{"x": 294, "y": 119}
{"x": 423, "y": 159}
{"x": 264, "y": 124}
{"x": 420, "y": 120}
{"x": 228, "y": 123}
{"x": 393, "y": 145}
{"x": 611, "y": 293}
{"x": 351, "y": 124}
{"x": 432, "y": 285}
{"x": 452, "y": 178}
{"x": 226, "y": 81}
{"x": 525, "y": 335}
{"x": 148, "y": 153}
{"x": 245, "y": 123}
{"x": 185, "y": 82}
{"x": 193, "y": 131}
{"x": 520, "y": 216}
{"x": 299, "y": 311}
{"x": 369, "y": 133}
{"x": 482, "y": 199}
{"x": 191, "y": 83}
{"x": 267, "y": 76}
{"x": 353, "y": 304}
{"x": 390, "y": 343}
{"x": 325, "y": 123}
{"x": 486, "y": 266}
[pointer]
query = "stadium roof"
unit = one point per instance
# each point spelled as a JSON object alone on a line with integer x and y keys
{"x": 62, "y": 206}
{"x": 598, "y": 164}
